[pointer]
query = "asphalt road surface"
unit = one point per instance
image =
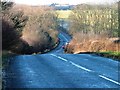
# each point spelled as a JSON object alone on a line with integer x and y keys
{"x": 58, "y": 70}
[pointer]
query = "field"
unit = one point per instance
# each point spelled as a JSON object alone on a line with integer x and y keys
{"x": 64, "y": 14}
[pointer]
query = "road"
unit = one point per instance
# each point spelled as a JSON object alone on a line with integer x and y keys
{"x": 63, "y": 39}
{"x": 58, "y": 70}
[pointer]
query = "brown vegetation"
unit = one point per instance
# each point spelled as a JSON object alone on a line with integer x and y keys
{"x": 40, "y": 31}
{"x": 28, "y": 29}
{"x": 94, "y": 28}
{"x": 92, "y": 43}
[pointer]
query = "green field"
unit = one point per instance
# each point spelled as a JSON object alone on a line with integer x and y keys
{"x": 63, "y": 13}
{"x": 111, "y": 54}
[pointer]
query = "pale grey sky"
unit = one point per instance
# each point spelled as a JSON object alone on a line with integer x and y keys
{"x": 43, "y": 2}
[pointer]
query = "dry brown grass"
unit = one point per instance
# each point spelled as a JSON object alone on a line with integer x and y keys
{"x": 92, "y": 43}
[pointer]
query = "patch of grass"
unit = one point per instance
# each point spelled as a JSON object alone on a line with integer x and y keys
{"x": 63, "y": 13}
{"x": 110, "y": 54}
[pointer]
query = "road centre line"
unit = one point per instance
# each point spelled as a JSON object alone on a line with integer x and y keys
{"x": 88, "y": 70}
{"x": 80, "y": 67}
{"x": 74, "y": 64}
{"x": 60, "y": 57}
{"x": 109, "y": 79}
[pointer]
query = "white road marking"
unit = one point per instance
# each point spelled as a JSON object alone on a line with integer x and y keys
{"x": 59, "y": 57}
{"x": 83, "y": 68}
{"x": 62, "y": 59}
{"x": 109, "y": 79}
{"x": 72, "y": 63}
{"x": 80, "y": 67}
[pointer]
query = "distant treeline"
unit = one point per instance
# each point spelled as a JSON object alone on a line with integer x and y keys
{"x": 62, "y": 7}
{"x": 95, "y": 18}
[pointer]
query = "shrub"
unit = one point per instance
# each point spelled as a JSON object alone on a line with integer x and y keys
{"x": 12, "y": 26}
{"x": 40, "y": 31}
{"x": 9, "y": 35}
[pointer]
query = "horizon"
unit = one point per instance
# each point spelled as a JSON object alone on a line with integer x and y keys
{"x": 70, "y": 2}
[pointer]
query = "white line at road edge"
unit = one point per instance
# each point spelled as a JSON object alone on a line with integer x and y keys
{"x": 109, "y": 79}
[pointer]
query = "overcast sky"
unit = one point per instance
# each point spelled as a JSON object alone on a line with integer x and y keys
{"x": 43, "y": 2}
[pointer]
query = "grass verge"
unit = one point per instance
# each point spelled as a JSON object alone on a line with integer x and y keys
{"x": 110, "y": 54}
